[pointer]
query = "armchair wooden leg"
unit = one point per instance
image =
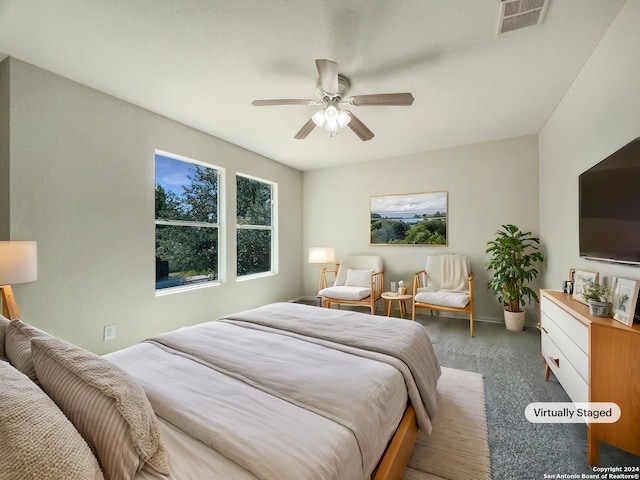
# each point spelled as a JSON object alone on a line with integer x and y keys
{"x": 471, "y": 325}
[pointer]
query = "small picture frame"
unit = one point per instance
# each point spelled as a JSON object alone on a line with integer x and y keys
{"x": 567, "y": 285}
{"x": 581, "y": 278}
{"x": 625, "y": 296}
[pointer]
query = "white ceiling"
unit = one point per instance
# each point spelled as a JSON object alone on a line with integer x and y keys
{"x": 202, "y": 62}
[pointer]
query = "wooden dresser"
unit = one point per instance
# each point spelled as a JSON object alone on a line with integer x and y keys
{"x": 595, "y": 360}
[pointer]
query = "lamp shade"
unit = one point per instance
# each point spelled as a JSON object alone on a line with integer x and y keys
{"x": 18, "y": 262}
{"x": 320, "y": 255}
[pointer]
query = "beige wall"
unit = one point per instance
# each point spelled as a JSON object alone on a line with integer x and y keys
{"x": 598, "y": 115}
{"x": 488, "y": 184}
{"x": 82, "y": 185}
{"x": 4, "y": 151}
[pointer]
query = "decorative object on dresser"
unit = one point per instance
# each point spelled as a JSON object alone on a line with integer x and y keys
{"x": 513, "y": 258}
{"x": 18, "y": 264}
{"x": 446, "y": 284}
{"x": 625, "y": 297}
{"x": 595, "y": 359}
{"x": 581, "y": 278}
{"x": 597, "y": 297}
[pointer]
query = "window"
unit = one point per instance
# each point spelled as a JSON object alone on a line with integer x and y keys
{"x": 187, "y": 222}
{"x": 255, "y": 220}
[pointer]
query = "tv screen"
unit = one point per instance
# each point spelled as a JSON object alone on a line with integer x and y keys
{"x": 609, "y": 208}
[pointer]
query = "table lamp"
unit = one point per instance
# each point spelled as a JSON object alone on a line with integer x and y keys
{"x": 321, "y": 255}
{"x": 18, "y": 264}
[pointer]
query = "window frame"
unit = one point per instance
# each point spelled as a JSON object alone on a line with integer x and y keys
{"x": 219, "y": 225}
{"x": 273, "y": 228}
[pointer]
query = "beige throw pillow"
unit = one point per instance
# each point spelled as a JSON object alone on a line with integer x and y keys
{"x": 36, "y": 440}
{"x": 105, "y": 404}
{"x": 17, "y": 346}
{"x": 4, "y": 323}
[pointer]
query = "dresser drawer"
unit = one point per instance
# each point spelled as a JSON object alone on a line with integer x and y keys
{"x": 570, "y": 349}
{"x": 577, "y": 331}
{"x": 572, "y": 382}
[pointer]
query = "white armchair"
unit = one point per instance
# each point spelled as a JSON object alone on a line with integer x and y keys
{"x": 446, "y": 284}
{"x": 359, "y": 281}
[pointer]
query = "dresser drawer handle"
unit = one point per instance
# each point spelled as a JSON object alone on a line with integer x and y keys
{"x": 544, "y": 330}
{"x": 556, "y": 361}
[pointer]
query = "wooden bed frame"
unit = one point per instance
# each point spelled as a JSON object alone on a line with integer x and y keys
{"x": 396, "y": 456}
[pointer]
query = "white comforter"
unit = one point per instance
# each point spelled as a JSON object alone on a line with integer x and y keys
{"x": 276, "y": 392}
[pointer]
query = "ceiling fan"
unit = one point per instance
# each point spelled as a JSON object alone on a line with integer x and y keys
{"x": 332, "y": 88}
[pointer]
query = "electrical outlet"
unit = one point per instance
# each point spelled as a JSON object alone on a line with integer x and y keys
{"x": 109, "y": 332}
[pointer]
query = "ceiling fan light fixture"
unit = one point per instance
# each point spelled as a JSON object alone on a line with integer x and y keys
{"x": 343, "y": 118}
{"x": 331, "y": 127}
{"x": 331, "y": 113}
{"x": 318, "y": 118}
{"x": 331, "y": 118}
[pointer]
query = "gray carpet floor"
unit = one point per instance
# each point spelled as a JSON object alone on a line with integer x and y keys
{"x": 514, "y": 377}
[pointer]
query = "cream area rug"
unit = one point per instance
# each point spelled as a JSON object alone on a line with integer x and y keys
{"x": 458, "y": 448}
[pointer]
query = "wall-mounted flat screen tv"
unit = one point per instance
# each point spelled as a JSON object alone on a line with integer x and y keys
{"x": 609, "y": 208}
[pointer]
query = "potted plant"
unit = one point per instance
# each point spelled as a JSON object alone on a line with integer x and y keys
{"x": 597, "y": 296}
{"x": 514, "y": 256}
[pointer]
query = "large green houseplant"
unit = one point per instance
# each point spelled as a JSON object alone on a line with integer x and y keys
{"x": 514, "y": 257}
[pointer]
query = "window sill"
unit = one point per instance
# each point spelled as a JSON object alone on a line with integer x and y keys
{"x": 255, "y": 275}
{"x": 185, "y": 288}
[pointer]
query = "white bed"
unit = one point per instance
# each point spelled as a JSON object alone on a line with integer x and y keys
{"x": 284, "y": 391}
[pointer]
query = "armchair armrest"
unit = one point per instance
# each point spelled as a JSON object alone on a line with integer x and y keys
{"x": 417, "y": 280}
{"x": 377, "y": 284}
{"x": 323, "y": 276}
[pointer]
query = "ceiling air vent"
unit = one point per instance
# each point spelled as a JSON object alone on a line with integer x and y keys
{"x": 515, "y": 14}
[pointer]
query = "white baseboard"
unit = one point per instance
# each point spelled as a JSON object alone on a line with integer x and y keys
{"x": 313, "y": 300}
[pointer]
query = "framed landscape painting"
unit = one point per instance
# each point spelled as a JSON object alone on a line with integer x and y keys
{"x": 409, "y": 219}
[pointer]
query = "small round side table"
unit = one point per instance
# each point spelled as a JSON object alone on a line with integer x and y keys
{"x": 389, "y": 297}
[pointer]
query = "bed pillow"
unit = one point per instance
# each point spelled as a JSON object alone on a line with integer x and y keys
{"x": 17, "y": 346}
{"x": 358, "y": 278}
{"x": 36, "y": 439}
{"x": 4, "y": 323}
{"x": 105, "y": 404}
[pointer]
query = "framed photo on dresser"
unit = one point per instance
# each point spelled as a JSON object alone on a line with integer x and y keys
{"x": 623, "y": 302}
{"x": 581, "y": 278}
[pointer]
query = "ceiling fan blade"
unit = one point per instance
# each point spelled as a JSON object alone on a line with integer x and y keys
{"x": 360, "y": 128}
{"x": 328, "y": 72}
{"x": 305, "y": 130}
{"x": 388, "y": 99}
{"x": 283, "y": 101}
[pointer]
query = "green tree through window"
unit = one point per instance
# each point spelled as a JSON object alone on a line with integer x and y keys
{"x": 187, "y": 222}
{"x": 255, "y": 225}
